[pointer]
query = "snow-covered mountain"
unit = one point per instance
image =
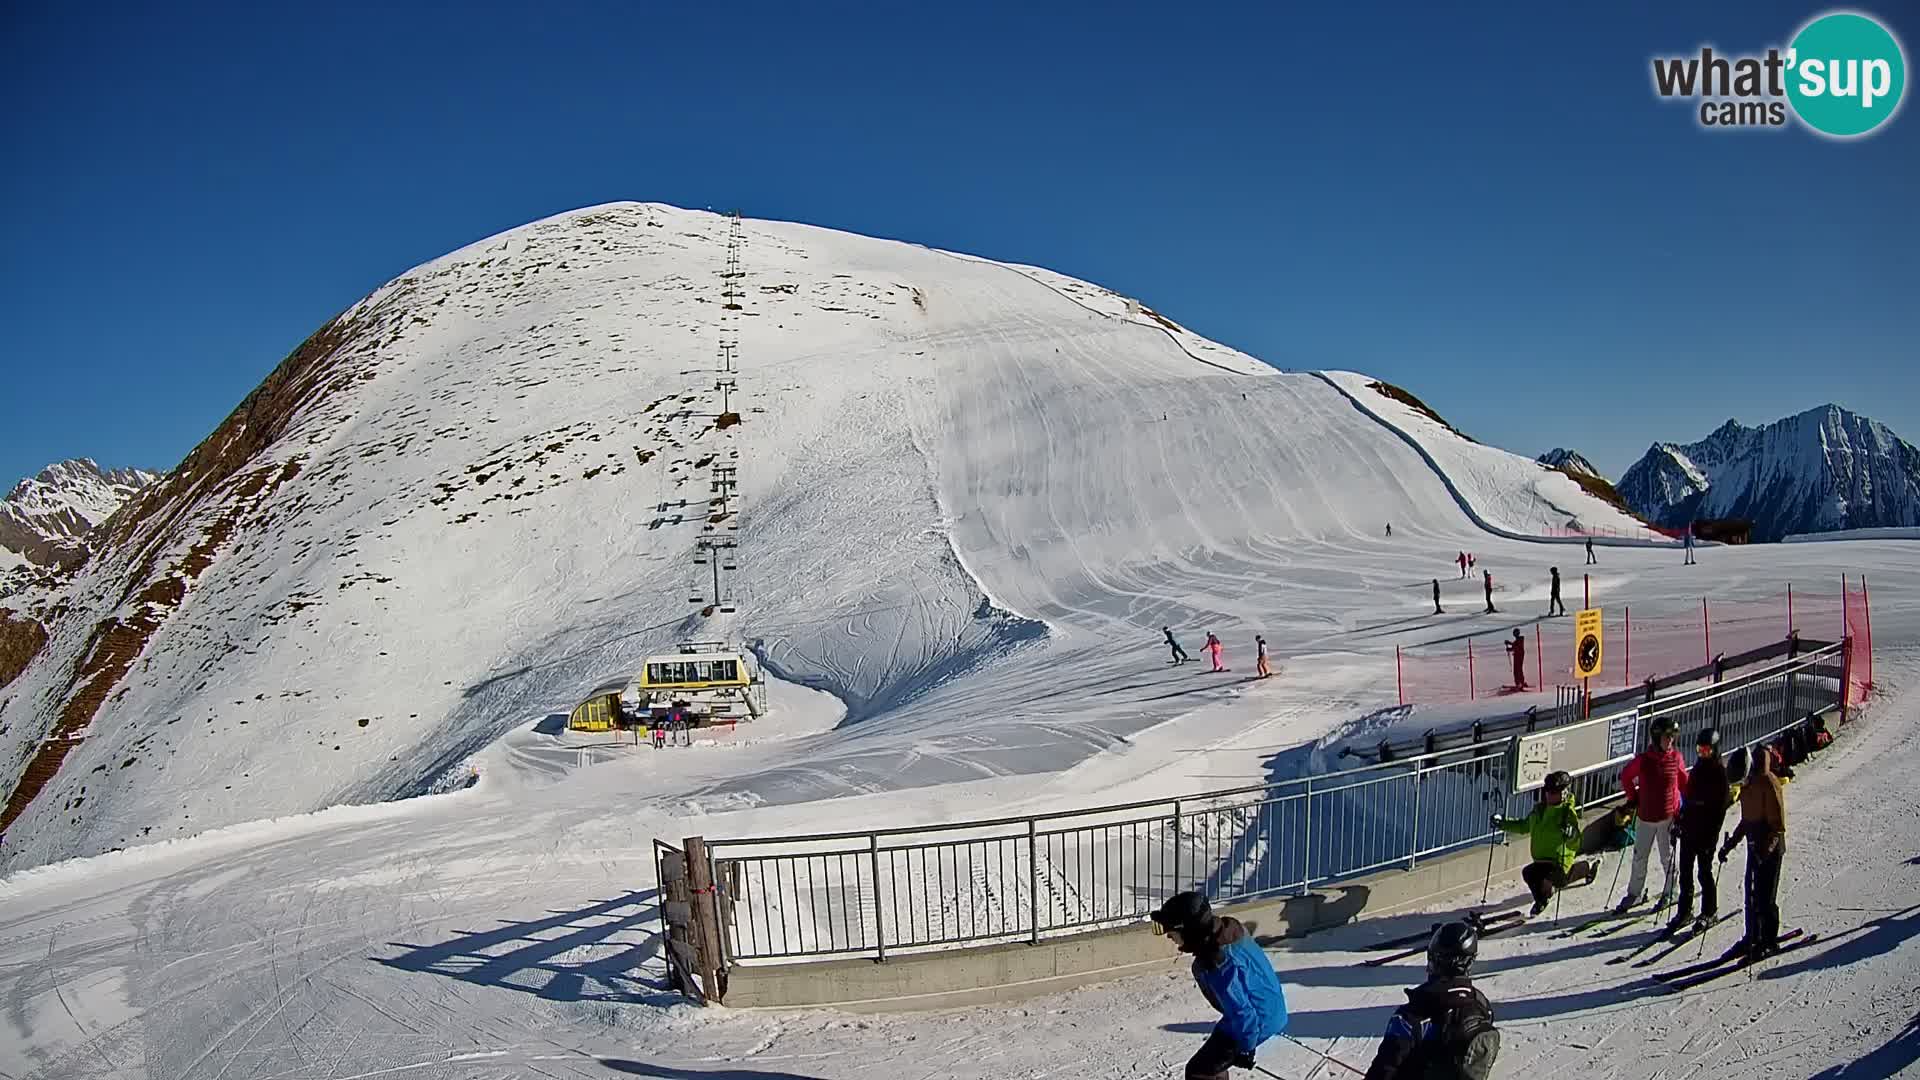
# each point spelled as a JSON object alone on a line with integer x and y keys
{"x": 44, "y": 519}
{"x": 479, "y": 491}
{"x": 1571, "y": 460}
{"x": 1821, "y": 470}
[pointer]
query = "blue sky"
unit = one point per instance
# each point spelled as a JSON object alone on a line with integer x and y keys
{"x": 1489, "y": 208}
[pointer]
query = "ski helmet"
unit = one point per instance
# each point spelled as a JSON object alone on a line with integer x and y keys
{"x": 1737, "y": 762}
{"x": 1709, "y": 736}
{"x": 1664, "y": 725}
{"x": 1183, "y": 911}
{"x": 1452, "y": 950}
{"x": 1559, "y": 780}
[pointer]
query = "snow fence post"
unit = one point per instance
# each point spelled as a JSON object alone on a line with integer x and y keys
{"x": 879, "y": 923}
{"x": 1033, "y": 869}
{"x": 1306, "y": 863}
{"x": 706, "y": 920}
{"x": 1627, "y": 678}
{"x": 1413, "y": 845}
{"x": 1706, "y": 629}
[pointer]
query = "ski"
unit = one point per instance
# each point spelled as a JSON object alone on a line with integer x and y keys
{"x": 1659, "y": 936}
{"x": 1487, "y": 928}
{"x": 1679, "y": 940}
{"x": 1478, "y": 918}
{"x": 1740, "y": 964}
{"x": 1679, "y": 975}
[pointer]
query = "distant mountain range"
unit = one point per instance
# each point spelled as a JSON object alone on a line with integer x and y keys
{"x": 1570, "y": 460}
{"x": 45, "y": 519}
{"x": 1822, "y": 470}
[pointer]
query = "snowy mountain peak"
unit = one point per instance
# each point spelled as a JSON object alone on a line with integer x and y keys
{"x": 1822, "y": 469}
{"x": 1570, "y": 460}
{"x": 46, "y": 516}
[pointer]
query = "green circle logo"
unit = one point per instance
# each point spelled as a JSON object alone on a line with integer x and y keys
{"x": 1846, "y": 74}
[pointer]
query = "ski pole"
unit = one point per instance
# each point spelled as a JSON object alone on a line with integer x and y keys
{"x": 1488, "y": 887}
{"x": 1321, "y": 1054}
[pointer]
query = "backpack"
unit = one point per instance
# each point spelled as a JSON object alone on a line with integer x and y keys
{"x": 1460, "y": 1045}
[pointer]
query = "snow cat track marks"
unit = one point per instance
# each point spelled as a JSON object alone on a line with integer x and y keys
{"x": 1171, "y": 336}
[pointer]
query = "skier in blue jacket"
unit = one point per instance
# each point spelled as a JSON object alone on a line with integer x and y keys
{"x": 1235, "y": 976}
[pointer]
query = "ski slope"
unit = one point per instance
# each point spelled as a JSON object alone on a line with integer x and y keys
{"x": 957, "y": 480}
{"x": 965, "y": 517}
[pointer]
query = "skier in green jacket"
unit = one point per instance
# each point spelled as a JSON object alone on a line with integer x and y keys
{"x": 1554, "y": 829}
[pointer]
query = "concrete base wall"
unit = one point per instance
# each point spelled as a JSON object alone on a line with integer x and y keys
{"x": 999, "y": 973}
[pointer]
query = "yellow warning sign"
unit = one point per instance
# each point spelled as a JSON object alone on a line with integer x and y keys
{"x": 1588, "y": 643}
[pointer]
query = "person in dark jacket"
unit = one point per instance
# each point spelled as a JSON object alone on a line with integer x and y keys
{"x": 1554, "y": 606}
{"x": 1702, "y": 810}
{"x": 1590, "y": 559}
{"x": 1179, "y": 654}
{"x": 1763, "y": 824}
{"x": 1446, "y": 1026}
{"x": 1487, "y": 578}
{"x": 1436, "y": 597}
{"x": 1234, "y": 976}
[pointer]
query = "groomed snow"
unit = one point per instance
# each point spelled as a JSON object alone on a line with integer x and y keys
{"x": 995, "y": 465}
{"x": 1505, "y": 492}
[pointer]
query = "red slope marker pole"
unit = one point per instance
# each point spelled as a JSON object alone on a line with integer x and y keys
{"x": 1866, "y": 609}
{"x": 1789, "y": 609}
{"x": 1539, "y": 661}
{"x": 1628, "y": 681}
{"x": 1399, "y": 675}
{"x": 1471, "y": 693}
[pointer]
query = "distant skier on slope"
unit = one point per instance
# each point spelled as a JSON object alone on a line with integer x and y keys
{"x": 1653, "y": 782}
{"x": 1702, "y": 811}
{"x": 1214, "y": 648}
{"x": 1591, "y": 561}
{"x": 1553, "y": 831}
{"x": 1179, "y": 654}
{"x": 1436, "y": 597}
{"x": 1554, "y": 606}
{"x": 1260, "y": 646}
{"x": 1389, "y": 530}
{"x": 1763, "y": 823}
{"x": 1446, "y": 1027}
{"x": 1234, "y": 976}
{"x": 1517, "y": 648}
{"x": 1462, "y": 560}
{"x": 1687, "y": 541}
{"x": 1488, "y": 582}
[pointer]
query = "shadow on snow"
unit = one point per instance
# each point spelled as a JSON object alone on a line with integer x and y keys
{"x": 594, "y": 953}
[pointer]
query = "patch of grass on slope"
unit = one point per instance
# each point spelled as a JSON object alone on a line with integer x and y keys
{"x": 1414, "y": 403}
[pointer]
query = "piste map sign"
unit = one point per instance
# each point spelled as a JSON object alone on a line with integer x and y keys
{"x": 1589, "y": 650}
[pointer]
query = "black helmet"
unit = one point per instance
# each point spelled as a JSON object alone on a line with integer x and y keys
{"x": 1663, "y": 725}
{"x": 1709, "y": 736}
{"x": 1452, "y": 950}
{"x": 1183, "y": 911}
{"x": 1736, "y": 762}
{"x": 1559, "y": 780}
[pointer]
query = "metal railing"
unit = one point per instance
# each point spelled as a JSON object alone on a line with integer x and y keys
{"x": 1047, "y": 875}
